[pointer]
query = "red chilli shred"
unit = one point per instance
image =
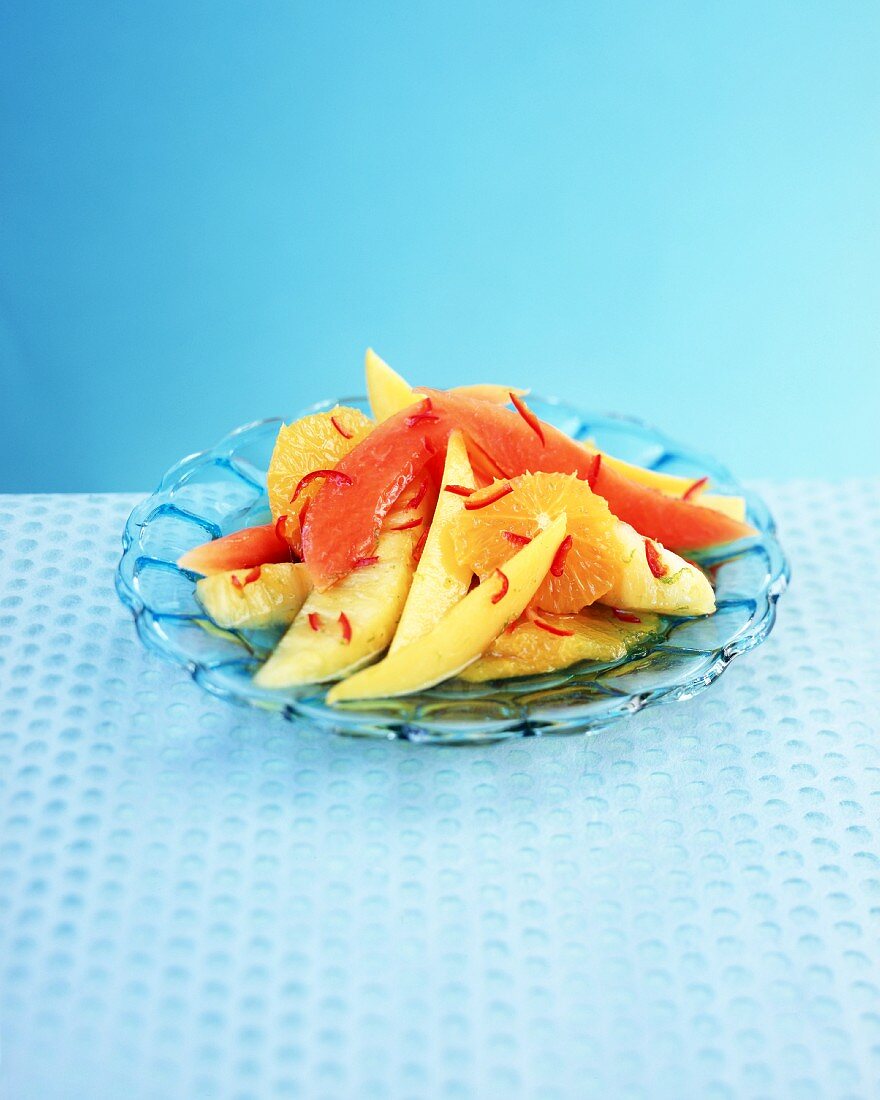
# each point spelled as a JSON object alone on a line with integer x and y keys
{"x": 420, "y": 546}
{"x": 420, "y": 495}
{"x": 526, "y": 413}
{"x": 249, "y": 578}
{"x": 625, "y": 616}
{"x": 694, "y": 490}
{"x": 558, "y": 631}
{"x": 340, "y": 429}
{"x": 401, "y": 524}
{"x": 362, "y": 563}
{"x": 655, "y": 562}
{"x": 501, "y": 492}
{"x": 346, "y": 627}
{"x": 421, "y": 418}
{"x": 514, "y": 539}
{"x": 593, "y": 473}
{"x": 459, "y": 490}
{"x": 502, "y": 591}
{"x": 557, "y": 566}
{"x": 280, "y": 525}
{"x": 336, "y": 476}
{"x": 314, "y": 620}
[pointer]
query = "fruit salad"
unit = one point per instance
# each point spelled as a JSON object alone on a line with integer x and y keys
{"x": 455, "y": 534}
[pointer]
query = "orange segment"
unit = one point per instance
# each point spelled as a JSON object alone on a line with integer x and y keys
{"x": 315, "y": 442}
{"x": 486, "y": 537}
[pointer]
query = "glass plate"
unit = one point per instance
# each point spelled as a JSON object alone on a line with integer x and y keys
{"x": 223, "y": 489}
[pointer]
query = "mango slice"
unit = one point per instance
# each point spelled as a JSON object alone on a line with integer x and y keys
{"x": 464, "y": 632}
{"x": 387, "y": 391}
{"x": 440, "y": 580}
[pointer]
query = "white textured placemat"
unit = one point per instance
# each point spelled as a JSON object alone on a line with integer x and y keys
{"x": 198, "y": 901}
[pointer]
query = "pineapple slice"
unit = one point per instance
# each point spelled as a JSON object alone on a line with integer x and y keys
{"x": 595, "y": 634}
{"x": 272, "y": 598}
{"x": 683, "y": 589}
{"x": 464, "y": 632}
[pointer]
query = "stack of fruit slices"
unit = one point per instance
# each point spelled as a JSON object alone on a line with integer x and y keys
{"x": 456, "y": 534}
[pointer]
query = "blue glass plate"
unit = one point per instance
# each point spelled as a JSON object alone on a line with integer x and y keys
{"x": 223, "y": 489}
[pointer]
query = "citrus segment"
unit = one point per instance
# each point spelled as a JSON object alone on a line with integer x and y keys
{"x": 516, "y": 448}
{"x": 344, "y": 516}
{"x": 312, "y": 443}
{"x": 595, "y": 634}
{"x": 485, "y": 537}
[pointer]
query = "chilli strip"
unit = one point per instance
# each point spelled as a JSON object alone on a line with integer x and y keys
{"x": 336, "y": 476}
{"x": 420, "y": 495}
{"x": 551, "y": 629}
{"x": 401, "y": 524}
{"x": 502, "y": 591}
{"x": 593, "y": 472}
{"x": 249, "y": 578}
{"x": 362, "y": 563}
{"x": 625, "y": 616}
{"x": 526, "y": 413}
{"x": 696, "y": 488}
{"x": 459, "y": 490}
{"x": 340, "y": 429}
{"x": 655, "y": 562}
{"x": 498, "y": 494}
{"x": 514, "y": 539}
{"x": 420, "y": 546}
{"x": 314, "y": 620}
{"x": 346, "y": 627}
{"x": 557, "y": 566}
{"x": 423, "y": 416}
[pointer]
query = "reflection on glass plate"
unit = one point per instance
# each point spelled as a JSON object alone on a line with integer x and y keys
{"x": 224, "y": 489}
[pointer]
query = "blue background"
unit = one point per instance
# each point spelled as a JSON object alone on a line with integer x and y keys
{"x": 208, "y": 210}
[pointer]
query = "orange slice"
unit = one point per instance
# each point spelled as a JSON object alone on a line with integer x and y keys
{"x": 487, "y": 535}
{"x": 315, "y": 442}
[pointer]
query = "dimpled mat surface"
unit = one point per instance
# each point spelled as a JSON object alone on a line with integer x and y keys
{"x": 199, "y": 901}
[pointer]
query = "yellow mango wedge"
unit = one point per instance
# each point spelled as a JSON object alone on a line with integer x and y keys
{"x": 463, "y": 633}
{"x": 273, "y": 599}
{"x": 316, "y": 649}
{"x": 683, "y": 590}
{"x": 387, "y": 391}
{"x": 672, "y": 485}
{"x": 596, "y": 634}
{"x": 440, "y": 579}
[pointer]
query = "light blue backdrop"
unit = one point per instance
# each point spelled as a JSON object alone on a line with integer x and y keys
{"x": 208, "y": 210}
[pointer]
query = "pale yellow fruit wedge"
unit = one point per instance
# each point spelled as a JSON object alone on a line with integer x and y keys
{"x": 672, "y": 485}
{"x": 683, "y": 590}
{"x": 463, "y": 633}
{"x": 387, "y": 391}
{"x": 529, "y": 650}
{"x": 735, "y": 507}
{"x": 371, "y": 598}
{"x": 273, "y": 599}
{"x": 440, "y": 579}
